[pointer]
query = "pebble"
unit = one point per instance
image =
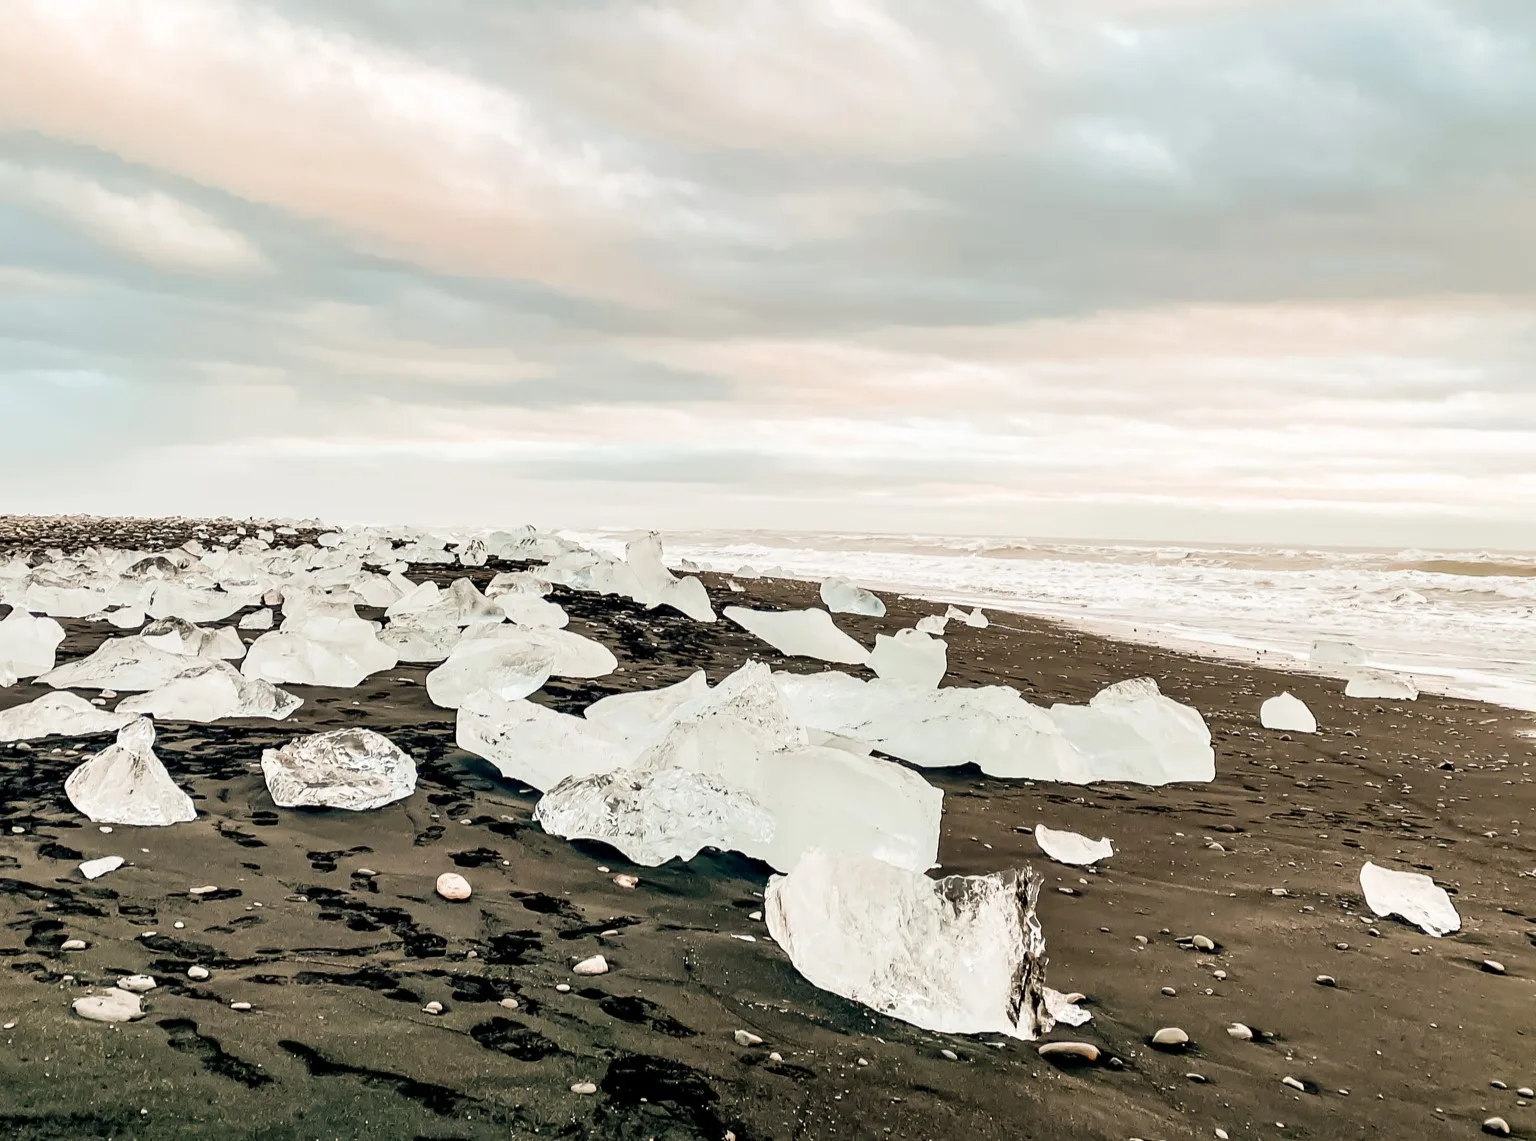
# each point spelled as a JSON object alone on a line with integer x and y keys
{"x": 1221, "y": 1135}
{"x": 1293, "y": 1083}
{"x": 113, "y": 1006}
{"x": 1069, "y": 1051}
{"x": 94, "y": 868}
{"x": 950, "y": 1054}
{"x": 451, "y": 885}
{"x": 775, "y": 1057}
{"x": 1196, "y": 1077}
{"x": 1169, "y": 992}
{"x": 1341, "y": 946}
{"x": 1239, "y": 1031}
{"x": 584, "y": 1088}
{"x": 179, "y": 925}
{"x": 747, "y": 1038}
{"x": 369, "y": 872}
{"x": 198, "y": 973}
{"x": 240, "y": 1006}
{"x": 509, "y": 1003}
{"x": 1525, "y": 1091}
{"x": 563, "y": 988}
{"x": 1170, "y": 1036}
{"x": 1497, "y": 1126}
{"x": 1142, "y": 939}
{"x": 596, "y": 965}
{"x": 756, "y": 916}
{"x": 1219, "y": 975}
{"x": 604, "y": 868}
{"x": 1325, "y": 980}
{"x": 138, "y": 984}
{"x": 628, "y": 881}
{"x": 1496, "y": 1084}
{"x": 206, "y": 889}
{"x": 1201, "y": 943}
{"x": 1493, "y": 966}
{"x": 433, "y": 1007}
{"x": 72, "y": 945}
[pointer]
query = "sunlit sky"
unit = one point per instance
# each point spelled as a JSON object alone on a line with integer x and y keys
{"x": 1255, "y": 270}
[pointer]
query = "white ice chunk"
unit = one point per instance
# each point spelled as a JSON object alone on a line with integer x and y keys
{"x": 178, "y": 636}
{"x": 338, "y": 652}
{"x": 125, "y": 783}
{"x": 211, "y": 692}
{"x": 960, "y": 955}
{"x": 28, "y": 644}
{"x": 801, "y": 633}
{"x": 58, "y": 714}
{"x": 174, "y": 600}
{"x": 125, "y": 664}
{"x": 532, "y": 610}
{"x": 1381, "y": 685}
{"x": 842, "y": 597}
{"x": 536, "y": 745}
{"x": 257, "y": 619}
{"x": 973, "y": 618}
{"x": 356, "y": 769}
{"x": 639, "y": 712}
{"x": 1411, "y": 896}
{"x": 1129, "y": 731}
{"x": 127, "y": 617}
{"x": 415, "y": 642}
{"x": 504, "y": 669}
{"x": 95, "y": 869}
{"x": 1071, "y": 847}
{"x": 910, "y": 657}
{"x": 1287, "y": 714}
{"x": 933, "y": 624}
{"x": 1329, "y": 652}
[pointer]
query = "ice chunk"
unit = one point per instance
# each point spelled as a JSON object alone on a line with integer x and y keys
{"x": 910, "y": 657}
{"x": 841, "y": 597}
{"x": 28, "y": 644}
{"x": 638, "y": 713}
{"x": 1382, "y": 685}
{"x": 416, "y": 642}
{"x": 127, "y": 617}
{"x": 960, "y": 955}
{"x": 178, "y": 636}
{"x": 213, "y": 691}
{"x": 355, "y": 769}
{"x": 95, "y": 869}
{"x": 659, "y": 586}
{"x": 319, "y": 650}
{"x": 125, "y": 783}
{"x": 536, "y": 745}
{"x": 933, "y": 624}
{"x": 571, "y": 655}
{"x": 1287, "y": 714}
{"x": 801, "y": 633}
{"x": 126, "y": 664}
{"x": 58, "y": 714}
{"x": 503, "y": 669}
{"x": 531, "y": 610}
{"x": 1411, "y": 896}
{"x": 973, "y": 618}
{"x": 1130, "y": 732}
{"x": 175, "y": 600}
{"x": 1071, "y": 848}
{"x": 257, "y": 619}
{"x": 1328, "y": 652}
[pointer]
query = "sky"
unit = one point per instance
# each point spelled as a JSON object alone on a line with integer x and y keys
{"x": 1220, "y": 270}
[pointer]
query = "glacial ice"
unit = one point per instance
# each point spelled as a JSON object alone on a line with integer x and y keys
{"x": 1381, "y": 685}
{"x": 502, "y": 668}
{"x": 531, "y": 610}
{"x": 319, "y": 650}
{"x": 28, "y": 643}
{"x": 1410, "y": 896}
{"x": 910, "y": 657}
{"x": 842, "y": 597}
{"x": 127, "y": 617}
{"x": 1330, "y": 652}
{"x": 178, "y": 636}
{"x": 58, "y": 715}
{"x": 126, "y": 664}
{"x": 800, "y": 633}
{"x": 933, "y": 624}
{"x": 1129, "y": 731}
{"x": 639, "y": 712}
{"x": 537, "y": 745}
{"x": 960, "y": 955}
{"x": 125, "y": 783}
{"x": 1287, "y": 714}
{"x": 1071, "y": 847}
{"x": 212, "y": 691}
{"x": 174, "y": 600}
{"x": 973, "y": 618}
{"x": 355, "y": 769}
{"x": 642, "y": 576}
{"x": 418, "y": 643}
{"x": 257, "y": 619}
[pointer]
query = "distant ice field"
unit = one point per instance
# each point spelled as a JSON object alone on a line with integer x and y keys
{"x": 1462, "y": 623}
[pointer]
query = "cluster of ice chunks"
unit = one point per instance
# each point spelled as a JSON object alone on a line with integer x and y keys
{"x": 959, "y": 955}
{"x": 800, "y": 633}
{"x": 642, "y": 576}
{"x": 1127, "y": 732}
{"x": 133, "y": 663}
{"x": 842, "y": 597}
{"x": 972, "y": 618}
{"x": 125, "y": 783}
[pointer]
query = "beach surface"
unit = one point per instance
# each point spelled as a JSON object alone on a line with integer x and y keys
{"x": 326, "y": 922}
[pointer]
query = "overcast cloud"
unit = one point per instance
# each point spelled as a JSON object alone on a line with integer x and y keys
{"x": 1205, "y": 269}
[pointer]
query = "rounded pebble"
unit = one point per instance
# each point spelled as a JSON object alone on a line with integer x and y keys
{"x": 747, "y": 1038}
{"x": 584, "y": 1088}
{"x": 72, "y": 945}
{"x": 239, "y": 1006}
{"x": 596, "y": 965}
{"x": 1239, "y": 1031}
{"x": 451, "y": 885}
{"x": 509, "y": 1003}
{"x": 563, "y": 988}
{"x": 1169, "y": 992}
{"x": 198, "y": 973}
{"x": 1201, "y": 943}
{"x": 950, "y": 1054}
{"x": 1325, "y": 980}
{"x": 1069, "y": 1052}
{"x": 1497, "y": 1126}
{"x": 1170, "y": 1036}
{"x": 1493, "y": 966}
{"x": 1525, "y": 1091}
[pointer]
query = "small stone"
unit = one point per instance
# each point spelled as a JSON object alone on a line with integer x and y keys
{"x": 367, "y": 873}
{"x": 1496, "y": 1084}
{"x": 1201, "y": 943}
{"x": 1219, "y": 975}
{"x": 451, "y": 885}
{"x": 206, "y": 889}
{"x": 1221, "y": 1135}
{"x": 179, "y": 925}
{"x": 775, "y": 1057}
{"x": 756, "y": 916}
{"x": 1170, "y": 1037}
{"x": 747, "y": 1038}
{"x": 1526, "y": 1092}
{"x": 1201, "y": 1078}
{"x": 1497, "y": 1126}
{"x": 626, "y": 881}
{"x": 105, "y": 829}
{"x": 138, "y": 984}
{"x": 111, "y": 1006}
{"x": 197, "y": 973}
{"x": 604, "y": 868}
{"x": 1239, "y": 1031}
{"x": 94, "y": 868}
{"x": 1169, "y": 992}
{"x": 584, "y": 1088}
{"x": 1141, "y": 939}
{"x": 563, "y": 988}
{"x": 1069, "y": 1052}
{"x": 509, "y": 1003}
{"x": 72, "y": 945}
{"x": 433, "y": 1007}
{"x": 1293, "y": 1083}
{"x": 1325, "y": 980}
{"x": 950, "y": 1054}
{"x": 1341, "y": 946}
{"x": 596, "y": 965}
{"x": 240, "y": 1006}
{"x": 1493, "y": 966}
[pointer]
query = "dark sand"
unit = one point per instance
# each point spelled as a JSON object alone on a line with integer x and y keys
{"x": 338, "y": 965}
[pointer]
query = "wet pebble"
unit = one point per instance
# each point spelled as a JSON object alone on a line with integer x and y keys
{"x": 72, "y": 945}
{"x": 1493, "y": 966}
{"x": 584, "y": 1088}
{"x": 1170, "y": 1037}
{"x": 596, "y": 965}
{"x": 1069, "y": 1052}
{"x": 451, "y": 885}
{"x": 197, "y": 973}
{"x": 1497, "y": 1126}
{"x": 1325, "y": 980}
{"x": 747, "y": 1038}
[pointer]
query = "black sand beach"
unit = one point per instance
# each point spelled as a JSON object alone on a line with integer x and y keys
{"x": 326, "y": 922}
